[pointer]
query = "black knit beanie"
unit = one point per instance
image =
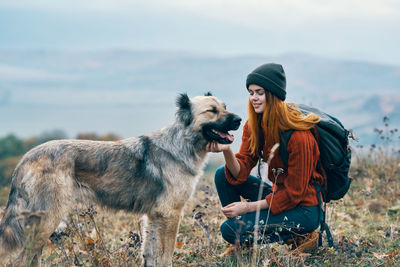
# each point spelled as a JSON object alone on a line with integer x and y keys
{"x": 271, "y": 77}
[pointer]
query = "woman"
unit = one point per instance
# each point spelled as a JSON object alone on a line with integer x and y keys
{"x": 291, "y": 204}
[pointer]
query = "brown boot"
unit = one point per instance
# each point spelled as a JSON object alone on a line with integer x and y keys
{"x": 231, "y": 250}
{"x": 306, "y": 243}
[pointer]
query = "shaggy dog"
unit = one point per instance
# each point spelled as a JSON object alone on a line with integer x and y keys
{"x": 153, "y": 174}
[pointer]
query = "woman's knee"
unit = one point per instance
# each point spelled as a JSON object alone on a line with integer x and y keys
{"x": 220, "y": 177}
{"x": 229, "y": 232}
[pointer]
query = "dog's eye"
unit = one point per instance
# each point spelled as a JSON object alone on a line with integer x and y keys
{"x": 213, "y": 110}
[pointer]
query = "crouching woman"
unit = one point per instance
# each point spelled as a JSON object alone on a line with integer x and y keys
{"x": 290, "y": 205}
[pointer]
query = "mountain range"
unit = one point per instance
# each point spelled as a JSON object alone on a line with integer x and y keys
{"x": 130, "y": 93}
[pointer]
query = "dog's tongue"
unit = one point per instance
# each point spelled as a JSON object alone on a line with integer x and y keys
{"x": 227, "y": 136}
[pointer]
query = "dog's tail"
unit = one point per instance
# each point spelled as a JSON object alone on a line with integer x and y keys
{"x": 11, "y": 231}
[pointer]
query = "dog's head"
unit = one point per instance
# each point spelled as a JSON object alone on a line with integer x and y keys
{"x": 207, "y": 115}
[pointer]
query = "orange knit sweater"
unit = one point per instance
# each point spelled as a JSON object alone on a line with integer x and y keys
{"x": 293, "y": 187}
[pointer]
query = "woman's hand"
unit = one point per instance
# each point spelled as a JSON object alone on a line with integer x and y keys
{"x": 235, "y": 209}
{"x": 238, "y": 208}
{"x": 216, "y": 147}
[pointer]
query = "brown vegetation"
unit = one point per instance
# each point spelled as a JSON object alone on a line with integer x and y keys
{"x": 365, "y": 225}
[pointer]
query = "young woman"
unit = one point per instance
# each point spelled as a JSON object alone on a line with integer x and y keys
{"x": 291, "y": 204}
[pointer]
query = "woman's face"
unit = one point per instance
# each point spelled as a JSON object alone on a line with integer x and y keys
{"x": 257, "y": 98}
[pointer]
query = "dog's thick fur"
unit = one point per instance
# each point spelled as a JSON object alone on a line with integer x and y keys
{"x": 153, "y": 174}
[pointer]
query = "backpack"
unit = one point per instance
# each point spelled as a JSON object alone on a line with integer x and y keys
{"x": 335, "y": 153}
{"x": 335, "y": 158}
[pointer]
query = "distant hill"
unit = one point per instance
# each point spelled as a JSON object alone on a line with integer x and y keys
{"x": 131, "y": 93}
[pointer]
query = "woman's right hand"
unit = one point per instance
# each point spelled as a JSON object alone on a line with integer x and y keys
{"x": 231, "y": 162}
{"x": 216, "y": 147}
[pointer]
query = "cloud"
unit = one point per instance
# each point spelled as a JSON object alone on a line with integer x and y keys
{"x": 271, "y": 15}
{"x": 352, "y": 29}
{"x": 263, "y": 14}
{"x": 247, "y": 10}
{"x": 10, "y": 73}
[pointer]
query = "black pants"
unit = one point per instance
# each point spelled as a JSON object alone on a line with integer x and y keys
{"x": 272, "y": 228}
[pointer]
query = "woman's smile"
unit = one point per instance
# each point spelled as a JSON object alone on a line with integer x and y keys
{"x": 257, "y": 98}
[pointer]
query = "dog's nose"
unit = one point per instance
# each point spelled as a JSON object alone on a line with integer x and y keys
{"x": 236, "y": 121}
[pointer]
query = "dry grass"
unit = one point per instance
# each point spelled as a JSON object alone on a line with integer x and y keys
{"x": 366, "y": 233}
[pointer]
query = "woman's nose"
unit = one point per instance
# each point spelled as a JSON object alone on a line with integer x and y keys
{"x": 254, "y": 97}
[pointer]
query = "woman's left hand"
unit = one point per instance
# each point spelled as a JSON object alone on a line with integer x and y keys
{"x": 235, "y": 209}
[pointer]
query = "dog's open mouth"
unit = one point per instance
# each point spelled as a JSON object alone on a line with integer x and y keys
{"x": 213, "y": 133}
{"x": 218, "y": 131}
{"x": 221, "y": 137}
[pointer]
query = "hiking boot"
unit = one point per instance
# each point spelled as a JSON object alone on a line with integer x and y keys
{"x": 305, "y": 243}
{"x": 231, "y": 250}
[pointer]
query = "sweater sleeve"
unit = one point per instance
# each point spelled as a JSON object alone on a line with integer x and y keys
{"x": 303, "y": 156}
{"x": 246, "y": 160}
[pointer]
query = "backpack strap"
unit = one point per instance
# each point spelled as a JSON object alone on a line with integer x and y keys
{"x": 323, "y": 225}
{"x": 260, "y": 152}
{"x": 283, "y": 143}
{"x": 283, "y": 153}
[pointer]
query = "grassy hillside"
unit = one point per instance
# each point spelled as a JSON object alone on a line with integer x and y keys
{"x": 365, "y": 225}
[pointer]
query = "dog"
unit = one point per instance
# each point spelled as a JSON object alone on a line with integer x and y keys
{"x": 152, "y": 175}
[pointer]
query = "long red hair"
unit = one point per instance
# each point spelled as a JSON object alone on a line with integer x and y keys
{"x": 278, "y": 116}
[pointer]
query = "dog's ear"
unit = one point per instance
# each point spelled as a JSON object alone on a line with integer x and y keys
{"x": 184, "y": 112}
{"x": 208, "y": 94}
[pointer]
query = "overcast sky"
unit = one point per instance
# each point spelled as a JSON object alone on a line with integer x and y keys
{"x": 345, "y": 29}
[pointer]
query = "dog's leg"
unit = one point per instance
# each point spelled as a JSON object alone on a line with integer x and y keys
{"x": 33, "y": 244}
{"x": 46, "y": 200}
{"x": 30, "y": 256}
{"x": 149, "y": 234}
{"x": 168, "y": 234}
{"x": 159, "y": 239}
{"x": 38, "y": 228}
